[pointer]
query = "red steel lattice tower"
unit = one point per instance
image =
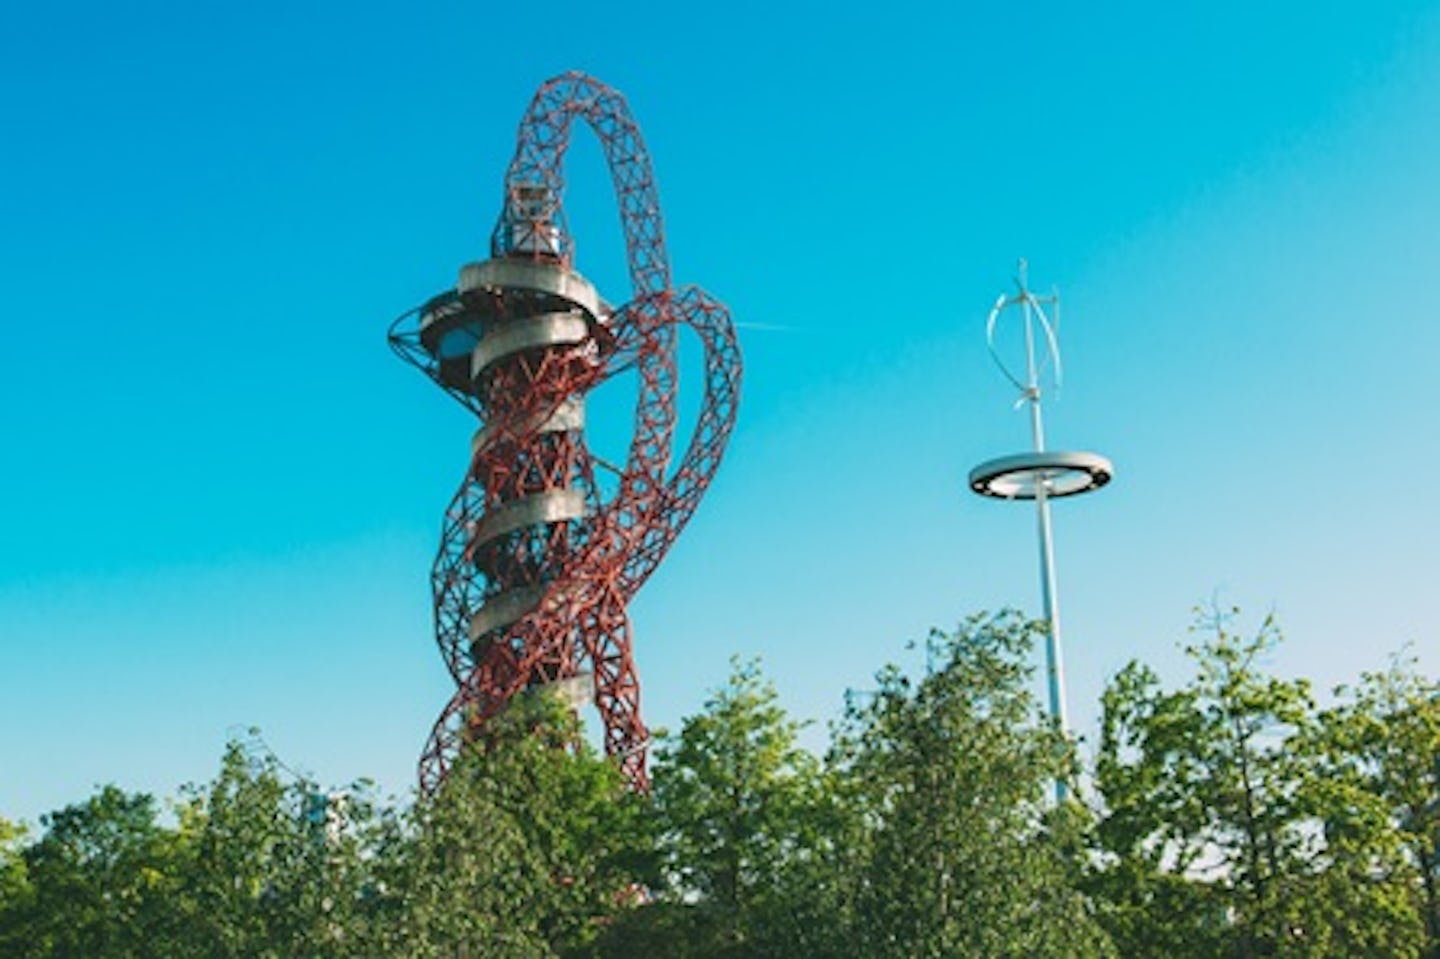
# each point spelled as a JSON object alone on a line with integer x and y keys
{"x": 538, "y": 559}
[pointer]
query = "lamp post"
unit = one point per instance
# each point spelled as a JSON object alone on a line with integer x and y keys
{"x": 1040, "y": 475}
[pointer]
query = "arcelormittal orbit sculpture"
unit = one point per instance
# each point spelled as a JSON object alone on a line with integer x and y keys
{"x": 538, "y": 559}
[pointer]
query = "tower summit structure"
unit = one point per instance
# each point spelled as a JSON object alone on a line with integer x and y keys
{"x": 1040, "y": 475}
{"x": 541, "y": 550}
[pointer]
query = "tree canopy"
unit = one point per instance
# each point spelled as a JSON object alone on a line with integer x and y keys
{"x": 1233, "y": 816}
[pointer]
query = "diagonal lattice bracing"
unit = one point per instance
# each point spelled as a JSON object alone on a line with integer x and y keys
{"x": 536, "y": 566}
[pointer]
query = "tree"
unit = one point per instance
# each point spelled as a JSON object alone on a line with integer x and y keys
{"x": 733, "y": 800}
{"x": 102, "y": 881}
{"x": 531, "y": 845}
{"x": 1152, "y": 831}
{"x": 1222, "y": 833}
{"x": 962, "y": 853}
{"x": 235, "y": 830}
{"x": 275, "y": 866}
{"x": 15, "y": 890}
{"x": 1381, "y": 745}
{"x": 1234, "y": 820}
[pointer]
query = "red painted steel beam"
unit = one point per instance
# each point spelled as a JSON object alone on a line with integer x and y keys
{"x": 536, "y": 564}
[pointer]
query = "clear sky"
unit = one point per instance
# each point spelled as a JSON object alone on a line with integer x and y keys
{"x": 220, "y": 493}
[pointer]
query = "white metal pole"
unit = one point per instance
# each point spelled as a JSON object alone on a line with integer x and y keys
{"x": 1054, "y": 660}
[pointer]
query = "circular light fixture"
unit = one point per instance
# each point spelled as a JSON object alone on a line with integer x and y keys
{"x": 1059, "y": 474}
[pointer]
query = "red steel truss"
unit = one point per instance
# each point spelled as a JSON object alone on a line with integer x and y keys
{"x": 538, "y": 559}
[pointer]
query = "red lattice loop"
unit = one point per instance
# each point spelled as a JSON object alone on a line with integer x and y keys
{"x": 536, "y": 566}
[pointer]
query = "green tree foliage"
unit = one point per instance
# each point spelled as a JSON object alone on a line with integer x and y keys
{"x": 274, "y": 866}
{"x": 1381, "y": 753}
{"x": 16, "y": 893}
{"x": 100, "y": 881}
{"x": 962, "y": 855}
{"x": 1224, "y": 832}
{"x": 531, "y": 846}
{"x": 1151, "y": 834}
{"x": 732, "y": 797}
{"x": 528, "y": 850}
{"x": 1233, "y": 819}
{"x": 926, "y": 832}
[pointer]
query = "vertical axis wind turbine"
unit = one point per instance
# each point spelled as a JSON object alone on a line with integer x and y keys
{"x": 1040, "y": 475}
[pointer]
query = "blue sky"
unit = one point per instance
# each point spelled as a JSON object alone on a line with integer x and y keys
{"x": 221, "y": 493}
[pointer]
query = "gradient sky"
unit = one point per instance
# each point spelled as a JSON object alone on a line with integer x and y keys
{"x": 221, "y": 493}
